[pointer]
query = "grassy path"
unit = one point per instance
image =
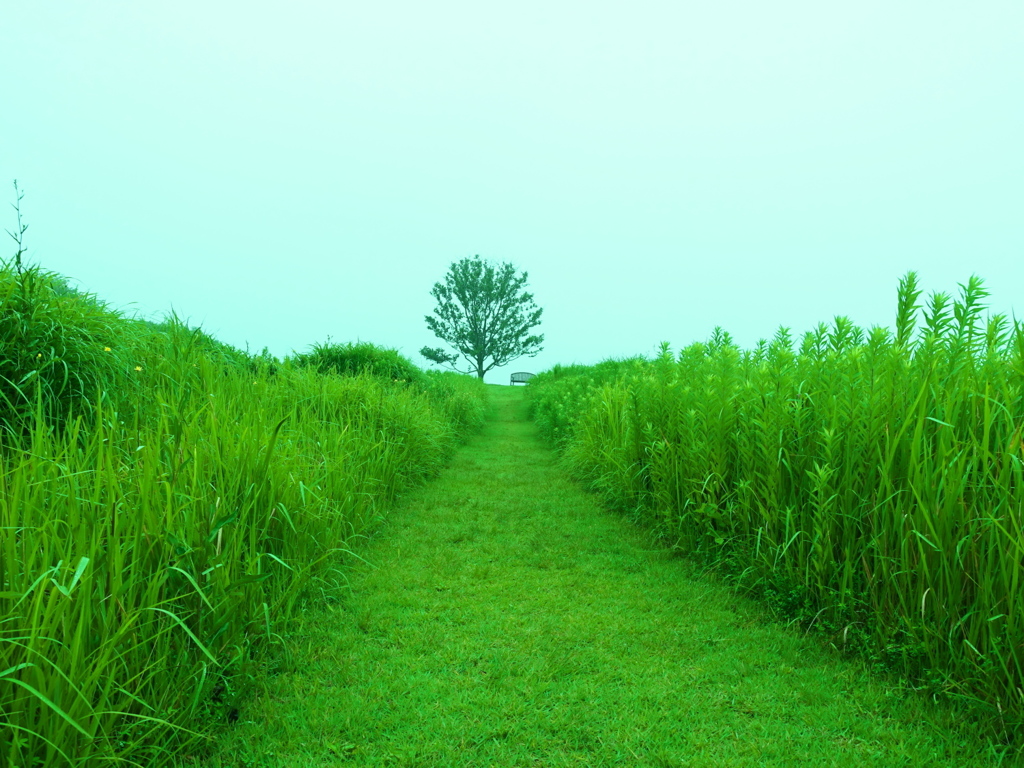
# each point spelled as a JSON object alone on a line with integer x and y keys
{"x": 507, "y": 620}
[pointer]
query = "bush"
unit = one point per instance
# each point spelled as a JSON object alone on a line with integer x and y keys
{"x": 356, "y": 358}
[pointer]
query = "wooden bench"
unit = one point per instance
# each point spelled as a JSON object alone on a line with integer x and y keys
{"x": 522, "y": 377}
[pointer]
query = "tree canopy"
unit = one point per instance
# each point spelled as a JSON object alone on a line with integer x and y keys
{"x": 485, "y": 314}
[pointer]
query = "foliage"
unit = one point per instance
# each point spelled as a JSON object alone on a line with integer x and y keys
{"x": 460, "y": 400}
{"x": 872, "y": 482}
{"x": 504, "y": 620}
{"x": 564, "y": 387}
{"x": 167, "y": 336}
{"x": 485, "y": 313}
{"x": 167, "y": 504}
{"x": 62, "y": 350}
{"x": 58, "y": 348}
{"x": 356, "y": 358}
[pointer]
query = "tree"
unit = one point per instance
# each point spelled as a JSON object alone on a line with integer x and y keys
{"x": 484, "y": 312}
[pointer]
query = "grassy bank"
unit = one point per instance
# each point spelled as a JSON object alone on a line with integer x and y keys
{"x": 166, "y": 503}
{"x": 502, "y": 618}
{"x": 867, "y": 483}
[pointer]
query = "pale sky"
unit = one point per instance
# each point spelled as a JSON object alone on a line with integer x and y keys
{"x": 284, "y": 172}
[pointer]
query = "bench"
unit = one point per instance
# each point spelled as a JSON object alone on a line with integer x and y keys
{"x": 522, "y": 377}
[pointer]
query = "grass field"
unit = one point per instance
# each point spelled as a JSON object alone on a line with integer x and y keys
{"x": 196, "y": 541}
{"x": 500, "y": 617}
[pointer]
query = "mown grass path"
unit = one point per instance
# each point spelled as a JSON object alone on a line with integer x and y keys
{"x": 505, "y": 619}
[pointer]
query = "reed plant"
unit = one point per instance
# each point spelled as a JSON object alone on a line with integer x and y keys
{"x": 868, "y": 481}
{"x": 165, "y": 508}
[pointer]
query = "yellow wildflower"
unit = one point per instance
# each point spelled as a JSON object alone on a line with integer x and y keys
{"x": 138, "y": 367}
{"x": 106, "y": 349}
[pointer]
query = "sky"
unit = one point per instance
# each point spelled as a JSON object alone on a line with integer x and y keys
{"x": 285, "y": 173}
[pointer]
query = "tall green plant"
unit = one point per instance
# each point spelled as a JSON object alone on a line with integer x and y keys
{"x": 165, "y": 510}
{"x": 356, "y": 358}
{"x": 871, "y": 484}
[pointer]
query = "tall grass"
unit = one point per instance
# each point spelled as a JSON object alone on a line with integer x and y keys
{"x": 57, "y": 348}
{"x": 165, "y": 504}
{"x": 870, "y": 481}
